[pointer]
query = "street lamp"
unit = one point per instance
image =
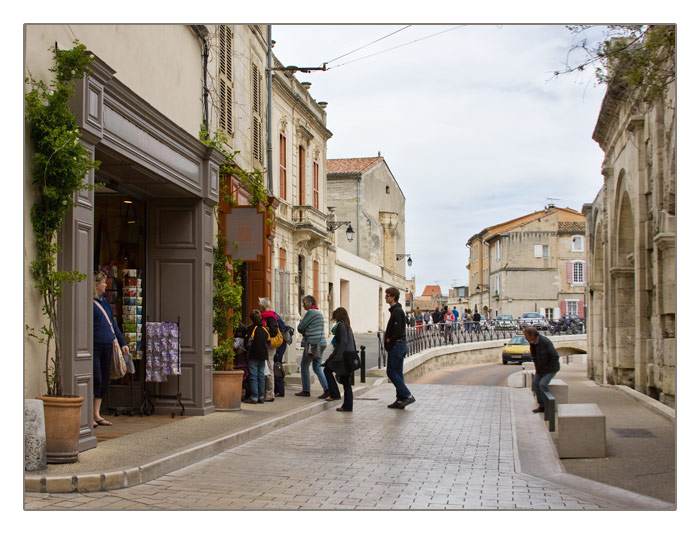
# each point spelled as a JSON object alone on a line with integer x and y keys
{"x": 334, "y": 225}
{"x": 409, "y": 261}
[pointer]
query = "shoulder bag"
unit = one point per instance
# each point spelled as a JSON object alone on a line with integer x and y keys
{"x": 118, "y": 368}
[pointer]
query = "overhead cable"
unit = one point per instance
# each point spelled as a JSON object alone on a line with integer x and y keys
{"x": 368, "y": 44}
{"x": 395, "y": 47}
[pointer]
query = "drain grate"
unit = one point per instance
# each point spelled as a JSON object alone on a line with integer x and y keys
{"x": 633, "y": 432}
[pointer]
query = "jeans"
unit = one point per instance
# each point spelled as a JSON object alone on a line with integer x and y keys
{"x": 305, "y": 377}
{"x": 394, "y": 369}
{"x": 257, "y": 379}
{"x": 540, "y": 383}
{"x": 335, "y": 392}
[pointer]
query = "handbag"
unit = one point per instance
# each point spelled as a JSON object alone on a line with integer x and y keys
{"x": 278, "y": 370}
{"x": 118, "y": 366}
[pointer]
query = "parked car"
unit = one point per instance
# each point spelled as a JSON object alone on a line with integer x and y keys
{"x": 517, "y": 350}
{"x": 505, "y": 322}
{"x": 533, "y": 319}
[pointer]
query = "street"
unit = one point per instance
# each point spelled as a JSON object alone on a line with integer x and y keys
{"x": 485, "y": 374}
{"x": 453, "y": 449}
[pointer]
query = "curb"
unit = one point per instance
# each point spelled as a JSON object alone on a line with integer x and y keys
{"x": 658, "y": 407}
{"x": 133, "y": 476}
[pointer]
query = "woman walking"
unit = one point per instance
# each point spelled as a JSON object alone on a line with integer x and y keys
{"x": 339, "y": 362}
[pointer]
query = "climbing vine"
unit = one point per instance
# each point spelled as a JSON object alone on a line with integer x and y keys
{"x": 60, "y": 164}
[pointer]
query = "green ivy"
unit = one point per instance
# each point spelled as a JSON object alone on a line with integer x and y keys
{"x": 228, "y": 293}
{"x": 60, "y": 164}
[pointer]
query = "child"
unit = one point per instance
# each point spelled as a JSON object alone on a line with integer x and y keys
{"x": 257, "y": 339}
{"x": 241, "y": 361}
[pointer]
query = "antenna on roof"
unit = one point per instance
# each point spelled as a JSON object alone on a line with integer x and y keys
{"x": 550, "y": 201}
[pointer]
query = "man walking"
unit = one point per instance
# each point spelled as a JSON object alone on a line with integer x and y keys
{"x": 395, "y": 345}
{"x": 546, "y": 359}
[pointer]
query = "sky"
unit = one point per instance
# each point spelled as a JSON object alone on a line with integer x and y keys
{"x": 470, "y": 119}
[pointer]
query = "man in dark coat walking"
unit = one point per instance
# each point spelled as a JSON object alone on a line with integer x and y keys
{"x": 546, "y": 360}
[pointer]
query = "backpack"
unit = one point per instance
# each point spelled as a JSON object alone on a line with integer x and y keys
{"x": 288, "y": 335}
{"x": 249, "y": 340}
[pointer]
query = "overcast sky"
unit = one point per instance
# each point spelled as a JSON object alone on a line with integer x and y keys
{"x": 471, "y": 122}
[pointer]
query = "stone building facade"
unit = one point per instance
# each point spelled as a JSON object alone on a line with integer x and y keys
{"x": 304, "y": 248}
{"x": 533, "y": 263}
{"x": 365, "y": 193}
{"x": 146, "y": 137}
{"x": 632, "y": 245}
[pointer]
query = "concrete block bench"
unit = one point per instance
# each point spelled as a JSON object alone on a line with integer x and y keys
{"x": 528, "y": 366}
{"x": 560, "y": 390}
{"x": 527, "y": 376}
{"x": 581, "y": 431}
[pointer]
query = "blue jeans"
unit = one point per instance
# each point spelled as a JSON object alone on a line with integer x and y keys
{"x": 306, "y": 378}
{"x": 256, "y": 368}
{"x": 540, "y": 383}
{"x": 394, "y": 369}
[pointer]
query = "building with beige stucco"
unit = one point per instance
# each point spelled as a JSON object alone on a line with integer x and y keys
{"x": 535, "y": 263}
{"x": 365, "y": 193}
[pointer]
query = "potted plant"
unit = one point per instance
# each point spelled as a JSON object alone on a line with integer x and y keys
{"x": 228, "y": 382}
{"x": 60, "y": 164}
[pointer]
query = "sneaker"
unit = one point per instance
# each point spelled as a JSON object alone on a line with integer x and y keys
{"x": 341, "y": 409}
{"x": 303, "y": 394}
{"x": 324, "y": 394}
{"x": 250, "y": 401}
{"x": 261, "y": 401}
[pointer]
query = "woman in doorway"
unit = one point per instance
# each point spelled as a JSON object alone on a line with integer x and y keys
{"x": 105, "y": 330}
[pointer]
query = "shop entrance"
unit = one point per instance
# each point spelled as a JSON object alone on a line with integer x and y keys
{"x": 120, "y": 253}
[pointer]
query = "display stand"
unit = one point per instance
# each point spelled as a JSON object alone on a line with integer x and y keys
{"x": 147, "y": 406}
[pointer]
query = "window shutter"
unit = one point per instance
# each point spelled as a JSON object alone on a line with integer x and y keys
{"x": 563, "y": 308}
{"x": 538, "y": 251}
{"x": 569, "y": 272}
{"x": 225, "y": 80}
{"x": 580, "y": 309}
{"x": 585, "y": 275}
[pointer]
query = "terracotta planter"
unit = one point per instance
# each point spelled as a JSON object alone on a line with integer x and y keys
{"x": 62, "y": 421}
{"x": 228, "y": 390}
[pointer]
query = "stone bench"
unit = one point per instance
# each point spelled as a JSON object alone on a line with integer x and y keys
{"x": 581, "y": 431}
{"x": 560, "y": 390}
{"x": 528, "y": 366}
{"x": 527, "y": 377}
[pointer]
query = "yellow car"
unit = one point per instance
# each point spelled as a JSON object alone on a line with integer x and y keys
{"x": 517, "y": 350}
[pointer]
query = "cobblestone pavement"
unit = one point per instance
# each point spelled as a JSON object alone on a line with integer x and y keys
{"x": 453, "y": 449}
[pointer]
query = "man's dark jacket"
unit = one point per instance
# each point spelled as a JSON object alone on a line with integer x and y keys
{"x": 396, "y": 327}
{"x": 544, "y": 356}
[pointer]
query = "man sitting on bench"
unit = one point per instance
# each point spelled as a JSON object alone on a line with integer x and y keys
{"x": 546, "y": 360}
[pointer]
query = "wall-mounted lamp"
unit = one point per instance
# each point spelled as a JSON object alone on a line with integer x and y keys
{"x": 409, "y": 261}
{"x": 334, "y": 225}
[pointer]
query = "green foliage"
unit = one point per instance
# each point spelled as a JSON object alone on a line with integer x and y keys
{"x": 60, "y": 163}
{"x": 640, "y": 56}
{"x": 228, "y": 293}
